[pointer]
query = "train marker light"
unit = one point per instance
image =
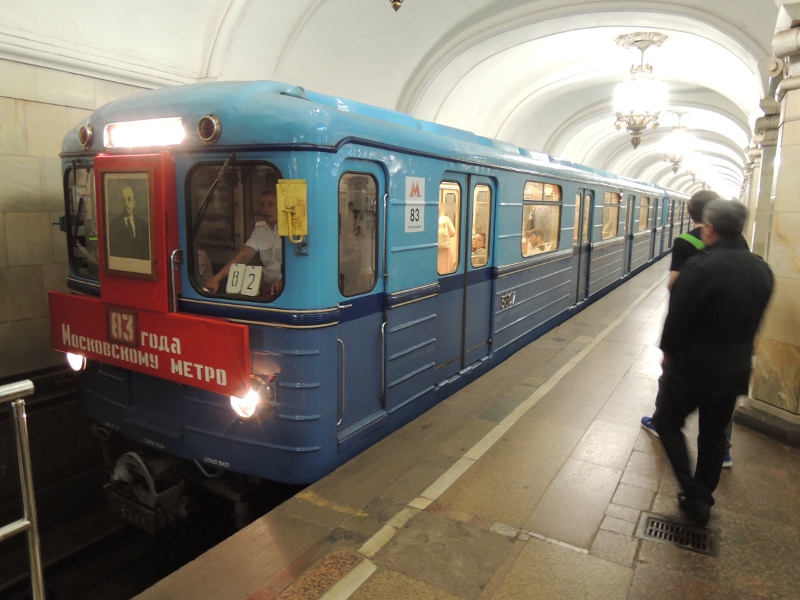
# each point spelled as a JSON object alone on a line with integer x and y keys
{"x": 209, "y": 128}
{"x": 152, "y": 132}
{"x": 86, "y": 136}
{"x": 76, "y": 361}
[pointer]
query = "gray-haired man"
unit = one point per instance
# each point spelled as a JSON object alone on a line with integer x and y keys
{"x": 715, "y": 309}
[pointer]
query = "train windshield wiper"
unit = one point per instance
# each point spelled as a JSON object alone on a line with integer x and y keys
{"x": 207, "y": 199}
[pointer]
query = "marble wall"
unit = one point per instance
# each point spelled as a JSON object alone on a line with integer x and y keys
{"x": 776, "y": 377}
{"x": 37, "y": 107}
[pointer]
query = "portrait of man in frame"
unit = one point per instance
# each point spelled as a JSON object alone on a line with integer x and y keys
{"x": 127, "y": 208}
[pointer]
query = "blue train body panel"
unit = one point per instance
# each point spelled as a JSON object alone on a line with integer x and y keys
{"x": 352, "y": 349}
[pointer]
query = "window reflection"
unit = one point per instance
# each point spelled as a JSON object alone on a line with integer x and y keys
{"x": 611, "y": 202}
{"x": 228, "y": 212}
{"x": 541, "y": 217}
{"x": 358, "y": 233}
{"x": 448, "y": 227}
{"x": 481, "y": 221}
{"x": 82, "y": 222}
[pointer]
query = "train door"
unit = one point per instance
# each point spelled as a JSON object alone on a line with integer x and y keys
{"x": 478, "y": 274}
{"x": 630, "y": 207}
{"x": 653, "y": 222}
{"x": 671, "y": 224}
{"x": 361, "y": 186}
{"x": 581, "y": 237}
{"x": 464, "y": 301}
{"x": 450, "y": 268}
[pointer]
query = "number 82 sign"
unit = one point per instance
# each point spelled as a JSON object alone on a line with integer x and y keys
{"x": 415, "y": 204}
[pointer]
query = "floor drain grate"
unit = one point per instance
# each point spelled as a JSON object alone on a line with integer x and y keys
{"x": 660, "y": 529}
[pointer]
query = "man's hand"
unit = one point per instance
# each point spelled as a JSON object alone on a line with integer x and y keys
{"x": 212, "y": 285}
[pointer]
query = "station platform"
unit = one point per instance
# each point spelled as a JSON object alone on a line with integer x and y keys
{"x": 534, "y": 481}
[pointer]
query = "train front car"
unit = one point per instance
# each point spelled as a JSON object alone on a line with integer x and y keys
{"x": 167, "y": 191}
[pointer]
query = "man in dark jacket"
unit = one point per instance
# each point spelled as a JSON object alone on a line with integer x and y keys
{"x": 715, "y": 309}
{"x": 685, "y": 246}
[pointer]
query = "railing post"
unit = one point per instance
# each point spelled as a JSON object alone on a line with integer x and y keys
{"x": 14, "y": 393}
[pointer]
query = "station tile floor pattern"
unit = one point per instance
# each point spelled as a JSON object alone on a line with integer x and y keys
{"x": 529, "y": 483}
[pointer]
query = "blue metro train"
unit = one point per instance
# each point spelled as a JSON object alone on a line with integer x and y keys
{"x": 403, "y": 259}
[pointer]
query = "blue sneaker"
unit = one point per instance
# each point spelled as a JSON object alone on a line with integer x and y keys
{"x": 647, "y": 423}
{"x": 727, "y": 462}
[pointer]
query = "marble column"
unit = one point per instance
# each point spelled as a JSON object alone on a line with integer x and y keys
{"x": 775, "y": 394}
{"x": 766, "y": 130}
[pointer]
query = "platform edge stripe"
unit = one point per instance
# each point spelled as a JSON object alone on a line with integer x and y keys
{"x": 440, "y": 486}
{"x": 347, "y": 585}
{"x": 377, "y": 541}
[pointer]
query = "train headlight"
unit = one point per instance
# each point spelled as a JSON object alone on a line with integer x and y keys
{"x": 152, "y": 132}
{"x": 246, "y": 407}
{"x": 76, "y": 361}
{"x": 257, "y": 399}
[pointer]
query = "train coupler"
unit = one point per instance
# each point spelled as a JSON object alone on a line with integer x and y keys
{"x": 148, "y": 493}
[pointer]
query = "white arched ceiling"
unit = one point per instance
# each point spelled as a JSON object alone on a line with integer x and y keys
{"x": 539, "y": 74}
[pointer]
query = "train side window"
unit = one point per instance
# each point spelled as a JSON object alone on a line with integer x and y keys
{"x": 225, "y": 213}
{"x": 448, "y": 227}
{"x": 644, "y": 213}
{"x": 541, "y": 217}
{"x": 358, "y": 233}
{"x": 611, "y": 202}
{"x": 82, "y": 222}
{"x": 481, "y": 221}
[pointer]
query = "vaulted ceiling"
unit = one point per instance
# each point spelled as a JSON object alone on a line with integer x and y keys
{"x": 540, "y": 74}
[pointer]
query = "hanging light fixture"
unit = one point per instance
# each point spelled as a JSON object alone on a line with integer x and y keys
{"x": 679, "y": 143}
{"x": 639, "y": 100}
{"x": 396, "y": 4}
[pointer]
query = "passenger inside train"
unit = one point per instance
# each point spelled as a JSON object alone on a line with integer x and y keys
{"x": 448, "y": 242}
{"x": 478, "y": 250}
{"x": 536, "y": 243}
{"x": 264, "y": 242}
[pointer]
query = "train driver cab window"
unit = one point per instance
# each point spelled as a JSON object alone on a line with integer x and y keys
{"x": 358, "y": 233}
{"x": 481, "y": 221}
{"x": 541, "y": 217}
{"x": 82, "y": 222}
{"x": 644, "y": 213}
{"x": 448, "y": 238}
{"x": 611, "y": 202}
{"x": 234, "y": 247}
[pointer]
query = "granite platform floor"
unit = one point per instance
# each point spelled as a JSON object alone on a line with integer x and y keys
{"x": 529, "y": 483}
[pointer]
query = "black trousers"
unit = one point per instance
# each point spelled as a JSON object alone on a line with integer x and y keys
{"x": 673, "y": 404}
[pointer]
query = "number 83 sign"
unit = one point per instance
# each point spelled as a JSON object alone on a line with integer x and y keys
{"x": 415, "y": 204}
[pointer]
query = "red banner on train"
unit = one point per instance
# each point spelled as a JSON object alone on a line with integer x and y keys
{"x": 212, "y": 354}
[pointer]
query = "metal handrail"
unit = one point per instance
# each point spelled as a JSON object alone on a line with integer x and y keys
{"x": 14, "y": 392}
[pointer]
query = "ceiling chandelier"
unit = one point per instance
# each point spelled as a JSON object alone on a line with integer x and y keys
{"x": 396, "y": 4}
{"x": 639, "y": 100}
{"x": 678, "y": 144}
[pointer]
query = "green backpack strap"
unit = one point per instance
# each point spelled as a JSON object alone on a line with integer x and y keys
{"x": 692, "y": 240}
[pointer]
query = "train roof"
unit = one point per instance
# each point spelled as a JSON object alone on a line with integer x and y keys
{"x": 271, "y": 113}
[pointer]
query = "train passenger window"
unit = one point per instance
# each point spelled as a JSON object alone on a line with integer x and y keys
{"x": 644, "y": 213}
{"x": 448, "y": 237}
{"x": 232, "y": 214}
{"x": 611, "y": 202}
{"x": 541, "y": 217}
{"x": 358, "y": 233}
{"x": 82, "y": 222}
{"x": 481, "y": 220}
